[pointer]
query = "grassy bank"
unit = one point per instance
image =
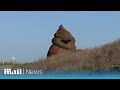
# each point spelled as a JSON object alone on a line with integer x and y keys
{"x": 99, "y": 58}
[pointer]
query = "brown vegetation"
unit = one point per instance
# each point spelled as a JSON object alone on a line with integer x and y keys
{"x": 99, "y": 58}
{"x": 10, "y": 62}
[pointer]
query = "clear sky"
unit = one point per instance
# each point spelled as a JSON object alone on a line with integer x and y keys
{"x": 27, "y": 34}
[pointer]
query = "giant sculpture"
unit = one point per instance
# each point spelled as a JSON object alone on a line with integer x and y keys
{"x": 62, "y": 43}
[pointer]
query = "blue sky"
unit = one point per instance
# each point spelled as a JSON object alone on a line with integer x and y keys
{"x": 27, "y": 34}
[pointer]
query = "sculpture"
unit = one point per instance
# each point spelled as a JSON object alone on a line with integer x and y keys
{"x": 63, "y": 42}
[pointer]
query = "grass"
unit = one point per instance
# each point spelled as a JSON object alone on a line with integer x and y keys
{"x": 106, "y": 57}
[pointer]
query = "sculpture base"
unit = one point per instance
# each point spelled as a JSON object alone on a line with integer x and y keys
{"x": 56, "y": 51}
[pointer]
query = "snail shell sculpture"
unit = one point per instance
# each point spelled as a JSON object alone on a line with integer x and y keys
{"x": 63, "y": 42}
